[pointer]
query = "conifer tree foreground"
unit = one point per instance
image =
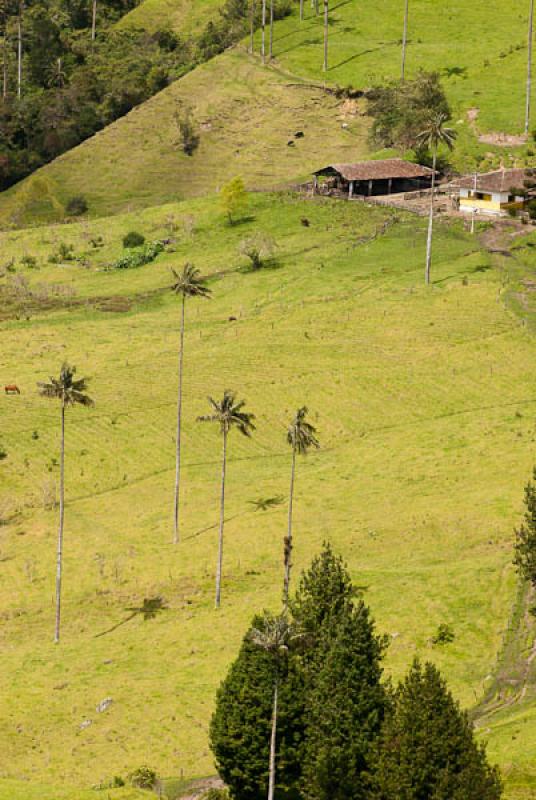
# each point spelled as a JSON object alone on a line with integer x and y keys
{"x": 525, "y": 546}
{"x": 333, "y": 678}
{"x": 427, "y": 749}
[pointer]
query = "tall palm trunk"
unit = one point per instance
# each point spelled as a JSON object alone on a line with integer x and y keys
{"x": 273, "y": 743}
{"x": 529, "y": 67}
{"x": 222, "y": 517}
{"x": 288, "y": 542}
{"x": 405, "y": 39}
{"x": 253, "y": 13}
{"x": 4, "y": 66}
{"x": 179, "y": 421}
{"x": 59, "y": 556}
{"x": 19, "y": 54}
{"x": 94, "y": 20}
{"x": 271, "y": 28}
{"x": 430, "y": 222}
{"x": 326, "y": 22}
{"x": 263, "y": 28}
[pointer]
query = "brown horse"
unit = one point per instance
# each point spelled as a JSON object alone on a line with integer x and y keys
{"x": 12, "y": 389}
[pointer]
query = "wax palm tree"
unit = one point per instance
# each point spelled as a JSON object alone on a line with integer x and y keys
{"x": 405, "y": 39}
{"x": 271, "y": 50}
{"x": 187, "y": 284}
{"x": 529, "y": 67}
{"x": 434, "y": 134}
{"x": 326, "y": 34}
{"x": 263, "y": 32}
{"x": 228, "y": 414}
{"x": 69, "y": 392}
{"x": 274, "y": 635}
{"x": 301, "y": 436}
{"x": 252, "y": 15}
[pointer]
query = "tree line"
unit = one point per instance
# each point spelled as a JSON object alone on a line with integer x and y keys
{"x": 306, "y": 712}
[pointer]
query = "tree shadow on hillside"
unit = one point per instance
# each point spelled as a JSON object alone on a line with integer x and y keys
{"x": 149, "y": 609}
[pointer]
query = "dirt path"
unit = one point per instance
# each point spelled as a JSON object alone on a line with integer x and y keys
{"x": 513, "y": 678}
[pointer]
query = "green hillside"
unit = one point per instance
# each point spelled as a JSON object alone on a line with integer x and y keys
{"x": 247, "y": 114}
{"x": 425, "y": 408}
{"x": 183, "y": 16}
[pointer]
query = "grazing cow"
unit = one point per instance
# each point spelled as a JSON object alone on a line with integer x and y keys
{"x": 12, "y": 389}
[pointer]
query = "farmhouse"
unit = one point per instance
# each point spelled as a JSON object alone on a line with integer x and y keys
{"x": 371, "y": 178}
{"x": 495, "y": 192}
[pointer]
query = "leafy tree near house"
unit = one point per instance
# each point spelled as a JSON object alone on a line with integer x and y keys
{"x": 525, "y": 544}
{"x": 70, "y": 392}
{"x": 234, "y": 199}
{"x": 434, "y": 134}
{"x": 402, "y": 109}
{"x": 188, "y": 283}
{"x": 229, "y": 415}
{"x": 427, "y": 747}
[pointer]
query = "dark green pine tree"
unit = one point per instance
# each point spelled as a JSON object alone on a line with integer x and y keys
{"x": 427, "y": 749}
{"x": 525, "y": 546}
{"x": 241, "y": 725}
{"x": 325, "y": 589}
{"x": 345, "y": 705}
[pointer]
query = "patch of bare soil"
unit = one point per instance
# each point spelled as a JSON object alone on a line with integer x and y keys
{"x": 497, "y": 139}
{"x": 199, "y": 788}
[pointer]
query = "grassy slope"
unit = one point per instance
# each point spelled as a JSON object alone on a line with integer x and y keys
{"x": 254, "y": 111}
{"x": 248, "y": 117}
{"x": 425, "y": 409}
{"x": 184, "y": 16}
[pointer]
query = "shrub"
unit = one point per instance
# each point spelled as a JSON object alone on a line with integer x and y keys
{"x": 189, "y": 138}
{"x": 532, "y": 209}
{"x": 444, "y": 635}
{"x": 512, "y": 212}
{"x": 137, "y": 258}
{"x": 65, "y": 252}
{"x": 76, "y": 206}
{"x": 143, "y": 778}
{"x": 216, "y": 794}
{"x": 29, "y": 261}
{"x": 3, "y": 453}
{"x": 133, "y": 239}
{"x": 257, "y": 248}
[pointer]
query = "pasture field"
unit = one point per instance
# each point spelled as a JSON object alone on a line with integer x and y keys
{"x": 425, "y": 406}
{"x": 248, "y": 114}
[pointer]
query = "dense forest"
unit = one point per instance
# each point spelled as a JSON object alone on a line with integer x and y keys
{"x": 67, "y": 71}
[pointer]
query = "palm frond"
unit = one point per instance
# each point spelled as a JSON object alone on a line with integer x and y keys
{"x": 301, "y": 435}
{"x": 229, "y": 414}
{"x": 71, "y": 392}
{"x": 189, "y": 282}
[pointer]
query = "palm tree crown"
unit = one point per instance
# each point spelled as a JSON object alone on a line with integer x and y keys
{"x": 435, "y": 132}
{"x": 228, "y": 413}
{"x": 65, "y": 388}
{"x": 274, "y": 634}
{"x": 301, "y": 435}
{"x": 189, "y": 282}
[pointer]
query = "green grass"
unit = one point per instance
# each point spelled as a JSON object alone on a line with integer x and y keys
{"x": 425, "y": 405}
{"x": 183, "y": 16}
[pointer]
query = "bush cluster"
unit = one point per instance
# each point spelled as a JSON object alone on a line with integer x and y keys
{"x": 137, "y": 258}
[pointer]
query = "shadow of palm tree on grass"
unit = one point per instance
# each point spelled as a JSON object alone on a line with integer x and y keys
{"x": 150, "y": 607}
